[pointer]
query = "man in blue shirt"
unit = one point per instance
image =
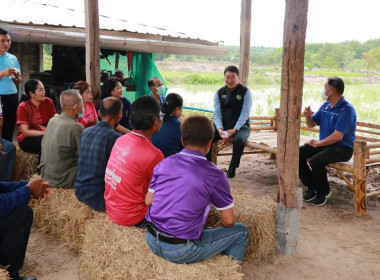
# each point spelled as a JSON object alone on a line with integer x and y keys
{"x": 337, "y": 122}
{"x": 232, "y": 105}
{"x": 95, "y": 148}
{"x": 7, "y": 159}
{"x": 157, "y": 89}
{"x": 16, "y": 219}
{"x": 10, "y": 76}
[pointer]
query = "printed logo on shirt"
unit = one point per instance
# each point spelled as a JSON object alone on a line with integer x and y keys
{"x": 122, "y": 153}
{"x": 111, "y": 178}
{"x": 238, "y": 97}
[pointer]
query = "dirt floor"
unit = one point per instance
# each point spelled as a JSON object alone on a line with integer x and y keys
{"x": 333, "y": 242}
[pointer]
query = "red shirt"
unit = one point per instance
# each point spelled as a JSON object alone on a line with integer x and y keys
{"x": 128, "y": 174}
{"x": 89, "y": 116}
{"x": 28, "y": 113}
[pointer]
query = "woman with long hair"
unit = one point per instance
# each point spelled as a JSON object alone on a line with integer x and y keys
{"x": 89, "y": 116}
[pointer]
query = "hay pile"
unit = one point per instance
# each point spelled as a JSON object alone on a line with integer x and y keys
{"x": 258, "y": 214}
{"x": 4, "y": 274}
{"x": 25, "y": 165}
{"x": 63, "y": 216}
{"x": 111, "y": 251}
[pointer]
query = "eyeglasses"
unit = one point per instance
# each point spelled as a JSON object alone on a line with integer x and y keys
{"x": 5, "y": 40}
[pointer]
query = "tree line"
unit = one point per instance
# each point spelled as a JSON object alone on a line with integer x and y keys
{"x": 348, "y": 55}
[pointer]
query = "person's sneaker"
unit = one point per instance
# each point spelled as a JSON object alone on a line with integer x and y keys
{"x": 231, "y": 172}
{"x": 310, "y": 195}
{"x": 319, "y": 200}
{"x": 329, "y": 194}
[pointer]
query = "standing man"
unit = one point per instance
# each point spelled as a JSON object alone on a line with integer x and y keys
{"x": 95, "y": 148}
{"x": 158, "y": 89}
{"x": 10, "y": 76}
{"x": 232, "y": 105}
{"x": 130, "y": 166}
{"x": 337, "y": 125}
{"x": 60, "y": 144}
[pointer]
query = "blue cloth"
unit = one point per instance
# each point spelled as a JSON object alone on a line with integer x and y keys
{"x": 162, "y": 98}
{"x": 126, "y": 114}
{"x": 342, "y": 117}
{"x": 95, "y": 148}
{"x": 230, "y": 241}
{"x": 13, "y": 194}
{"x": 7, "y": 86}
{"x": 168, "y": 139}
{"x": 7, "y": 159}
{"x": 244, "y": 115}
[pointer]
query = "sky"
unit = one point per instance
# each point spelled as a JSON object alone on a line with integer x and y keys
{"x": 329, "y": 21}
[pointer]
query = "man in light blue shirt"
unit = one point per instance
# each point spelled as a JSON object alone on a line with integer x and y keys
{"x": 232, "y": 105}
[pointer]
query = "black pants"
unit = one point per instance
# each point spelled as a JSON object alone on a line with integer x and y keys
{"x": 239, "y": 140}
{"x": 14, "y": 235}
{"x": 315, "y": 175}
{"x": 32, "y": 145}
{"x": 10, "y": 103}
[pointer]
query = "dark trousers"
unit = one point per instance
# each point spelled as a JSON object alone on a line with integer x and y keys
{"x": 10, "y": 103}
{"x": 314, "y": 175}
{"x": 32, "y": 145}
{"x": 239, "y": 140}
{"x": 14, "y": 235}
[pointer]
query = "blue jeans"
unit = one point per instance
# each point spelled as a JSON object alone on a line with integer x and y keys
{"x": 7, "y": 159}
{"x": 229, "y": 241}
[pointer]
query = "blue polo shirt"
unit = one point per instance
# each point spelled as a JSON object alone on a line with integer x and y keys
{"x": 7, "y": 86}
{"x": 342, "y": 117}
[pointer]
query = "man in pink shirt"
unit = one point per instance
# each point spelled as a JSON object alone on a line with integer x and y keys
{"x": 130, "y": 166}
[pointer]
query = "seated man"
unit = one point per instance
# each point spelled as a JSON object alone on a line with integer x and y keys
{"x": 60, "y": 144}
{"x": 180, "y": 195}
{"x": 130, "y": 166}
{"x": 7, "y": 159}
{"x": 157, "y": 89}
{"x": 95, "y": 148}
{"x": 16, "y": 219}
{"x": 337, "y": 122}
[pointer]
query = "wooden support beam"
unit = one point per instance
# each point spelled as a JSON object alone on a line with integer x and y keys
{"x": 360, "y": 178}
{"x": 289, "y": 120}
{"x": 93, "y": 47}
{"x": 245, "y": 40}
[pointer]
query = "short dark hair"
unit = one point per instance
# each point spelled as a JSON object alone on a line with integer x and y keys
{"x": 30, "y": 86}
{"x": 231, "y": 68}
{"x": 172, "y": 101}
{"x": 151, "y": 81}
{"x": 144, "y": 111}
{"x": 197, "y": 130}
{"x": 3, "y": 31}
{"x": 337, "y": 83}
{"x": 81, "y": 86}
{"x": 110, "y": 106}
{"x": 108, "y": 87}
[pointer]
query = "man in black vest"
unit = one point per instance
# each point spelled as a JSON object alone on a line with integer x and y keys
{"x": 232, "y": 105}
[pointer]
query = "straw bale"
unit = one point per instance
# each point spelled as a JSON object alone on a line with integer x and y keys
{"x": 258, "y": 214}
{"x": 4, "y": 274}
{"x": 25, "y": 165}
{"x": 111, "y": 251}
{"x": 63, "y": 216}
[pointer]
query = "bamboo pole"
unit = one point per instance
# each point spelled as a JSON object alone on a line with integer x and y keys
{"x": 360, "y": 178}
{"x": 291, "y": 99}
{"x": 245, "y": 40}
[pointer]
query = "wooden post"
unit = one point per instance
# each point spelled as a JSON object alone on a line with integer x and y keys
{"x": 214, "y": 153}
{"x": 92, "y": 47}
{"x": 276, "y": 116}
{"x": 360, "y": 177}
{"x": 291, "y": 99}
{"x": 245, "y": 40}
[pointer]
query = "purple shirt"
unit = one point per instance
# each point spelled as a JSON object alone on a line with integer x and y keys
{"x": 185, "y": 185}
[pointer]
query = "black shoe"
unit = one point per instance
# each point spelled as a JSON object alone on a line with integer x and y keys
{"x": 231, "y": 172}
{"x": 28, "y": 278}
{"x": 310, "y": 195}
{"x": 319, "y": 200}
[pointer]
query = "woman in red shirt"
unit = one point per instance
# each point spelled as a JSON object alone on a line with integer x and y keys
{"x": 33, "y": 115}
{"x": 89, "y": 117}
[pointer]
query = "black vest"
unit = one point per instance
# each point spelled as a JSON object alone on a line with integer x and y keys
{"x": 231, "y": 104}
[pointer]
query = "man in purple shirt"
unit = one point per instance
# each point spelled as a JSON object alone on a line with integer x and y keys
{"x": 180, "y": 195}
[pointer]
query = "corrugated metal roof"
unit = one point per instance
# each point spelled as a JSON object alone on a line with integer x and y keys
{"x": 58, "y": 13}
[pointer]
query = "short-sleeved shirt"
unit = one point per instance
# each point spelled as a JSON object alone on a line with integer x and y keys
{"x": 342, "y": 117}
{"x": 89, "y": 116}
{"x": 7, "y": 86}
{"x": 185, "y": 185}
{"x": 168, "y": 139}
{"x": 128, "y": 174}
{"x": 95, "y": 148}
{"x": 30, "y": 114}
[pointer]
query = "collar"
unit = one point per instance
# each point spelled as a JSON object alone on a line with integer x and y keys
{"x": 139, "y": 134}
{"x": 191, "y": 153}
{"x": 65, "y": 115}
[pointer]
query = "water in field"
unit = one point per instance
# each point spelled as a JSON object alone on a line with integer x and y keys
{"x": 365, "y": 98}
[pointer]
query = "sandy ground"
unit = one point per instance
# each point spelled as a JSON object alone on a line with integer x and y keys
{"x": 333, "y": 242}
